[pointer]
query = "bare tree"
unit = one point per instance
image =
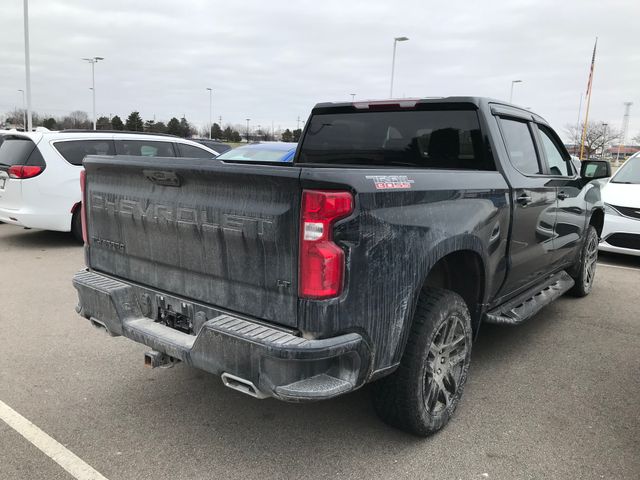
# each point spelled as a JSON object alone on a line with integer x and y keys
{"x": 76, "y": 119}
{"x": 598, "y": 137}
{"x": 636, "y": 139}
{"x": 17, "y": 117}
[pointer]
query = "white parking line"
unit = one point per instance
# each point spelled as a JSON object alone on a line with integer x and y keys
{"x": 56, "y": 451}
{"x": 619, "y": 266}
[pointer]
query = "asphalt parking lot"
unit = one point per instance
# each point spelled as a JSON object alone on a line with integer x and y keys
{"x": 555, "y": 398}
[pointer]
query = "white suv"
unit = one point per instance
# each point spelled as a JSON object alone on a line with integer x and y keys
{"x": 40, "y": 171}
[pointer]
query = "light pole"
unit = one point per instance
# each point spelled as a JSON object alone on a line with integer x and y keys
{"x": 93, "y": 62}
{"x": 604, "y": 138}
{"x": 393, "y": 61}
{"x": 27, "y": 64}
{"x": 24, "y": 112}
{"x": 513, "y": 82}
{"x": 210, "y": 110}
{"x": 353, "y": 96}
{"x": 248, "y": 120}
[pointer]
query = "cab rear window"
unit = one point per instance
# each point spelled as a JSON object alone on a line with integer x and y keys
{"x": 443, "y": 139}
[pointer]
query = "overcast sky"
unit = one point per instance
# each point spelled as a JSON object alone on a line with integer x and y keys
{"x": 271, "y": 61}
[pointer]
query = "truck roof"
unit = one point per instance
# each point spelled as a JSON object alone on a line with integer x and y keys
{"x": 410, "y": 103}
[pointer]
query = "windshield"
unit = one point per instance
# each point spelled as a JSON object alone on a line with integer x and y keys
{"x": 413, "y": 138}
{"x": 629, "y": 172}
{"x": 254, "y": 154}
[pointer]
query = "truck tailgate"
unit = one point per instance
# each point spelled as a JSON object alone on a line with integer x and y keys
{"x": 223, "y": 234}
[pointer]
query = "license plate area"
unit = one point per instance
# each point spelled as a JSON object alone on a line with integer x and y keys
{"x": 178, "y": 316}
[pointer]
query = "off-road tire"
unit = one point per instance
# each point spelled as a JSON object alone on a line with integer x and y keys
{"x": 76, "y": 225}
{"x": 586, "y": 267}
{"x": 407, "y": 399}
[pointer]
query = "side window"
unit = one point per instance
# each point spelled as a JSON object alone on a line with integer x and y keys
{"x": 519, "y": 143}
{"x": 189, "y": 151}
{"x": 143, "y": 148}
{"x": 74, "y": 151}
{"x": 557, "y": 163}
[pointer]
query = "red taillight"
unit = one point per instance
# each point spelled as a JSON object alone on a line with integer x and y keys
{"x": 321, "y": 260}
{"x": 24, "y": 171}
{"x": 83, "y": 210}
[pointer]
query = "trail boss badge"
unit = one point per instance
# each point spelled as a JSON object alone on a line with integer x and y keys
{"x": 390, "y": 182}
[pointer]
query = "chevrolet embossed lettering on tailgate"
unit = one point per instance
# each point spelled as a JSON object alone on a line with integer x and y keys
{"x": 209, "y": 234}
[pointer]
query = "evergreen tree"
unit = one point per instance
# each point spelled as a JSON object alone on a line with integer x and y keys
{"x": 297, "y": 133}
{"x": 134, "y": 122}
{"x": 185, "y": 128}
{"x": 216, "y": 131}
{"x": 173, "y": 127}
{"x": 159, "y": 127}
{"x": 50, "y": 123}
{"x": 287, "y": 136}
{"x": 103, "y": 123}
{"x": 227, "y": 134}
{"x": 116, "y": 123}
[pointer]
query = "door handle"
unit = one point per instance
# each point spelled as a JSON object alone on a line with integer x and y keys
{"x": 524, "y": 199}
{"x": 563, "y": 196}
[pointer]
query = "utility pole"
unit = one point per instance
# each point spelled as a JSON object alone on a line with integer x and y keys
{"x": 298, "y": 122}
{"x": 393, "y": 61}
{"x": 24, "y": 112}
{"x": 625, "y": 127}
{"x": 93, "y": 62}
{"x": 210, "y": 109}
{"x": 248, "y": 120}
{"x": 604, "y": 138}
{"x": 513, "y": 82}
{"x": 27, "y": 64}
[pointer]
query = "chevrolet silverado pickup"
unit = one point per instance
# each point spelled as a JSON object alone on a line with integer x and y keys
{"x": 400, "y": 227}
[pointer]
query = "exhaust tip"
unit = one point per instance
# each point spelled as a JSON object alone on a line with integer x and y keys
{"x": 99, "y": 325}
{"x": 242, "y": 385}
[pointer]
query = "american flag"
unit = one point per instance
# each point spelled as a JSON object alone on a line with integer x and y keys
{"x": 593, "y": 62}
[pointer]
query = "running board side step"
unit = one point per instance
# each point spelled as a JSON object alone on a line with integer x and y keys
{"x": 526, "y": 305}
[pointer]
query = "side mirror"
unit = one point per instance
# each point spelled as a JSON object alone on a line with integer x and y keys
{"x": 594, "y": 169}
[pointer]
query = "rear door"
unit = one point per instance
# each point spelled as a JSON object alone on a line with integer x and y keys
{"x": 223, "y": 234}
{"x": 534, "y": 208}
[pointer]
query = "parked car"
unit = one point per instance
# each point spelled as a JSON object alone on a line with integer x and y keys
{"x": 213, "y": 144}
{"x": 375, "y": 256}
{"x": 262, "y": 152}
{"x": 621, "y": 194}
{"x": 40, "y": 171}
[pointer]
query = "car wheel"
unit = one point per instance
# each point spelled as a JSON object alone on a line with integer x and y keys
{"x": 422, "y": 394}
{"x": 587, "y": 265}
{"x": 76, "y": 225}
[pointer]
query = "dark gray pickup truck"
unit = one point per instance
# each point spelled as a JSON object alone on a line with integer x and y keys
{"x": 375, "y": 256}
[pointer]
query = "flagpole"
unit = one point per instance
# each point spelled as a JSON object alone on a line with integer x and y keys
{"x": 589, "y": 89}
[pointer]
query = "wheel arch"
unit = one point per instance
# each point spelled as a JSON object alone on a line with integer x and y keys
{"x": 457, "y": 264}
{"x": 597, "y": 220}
